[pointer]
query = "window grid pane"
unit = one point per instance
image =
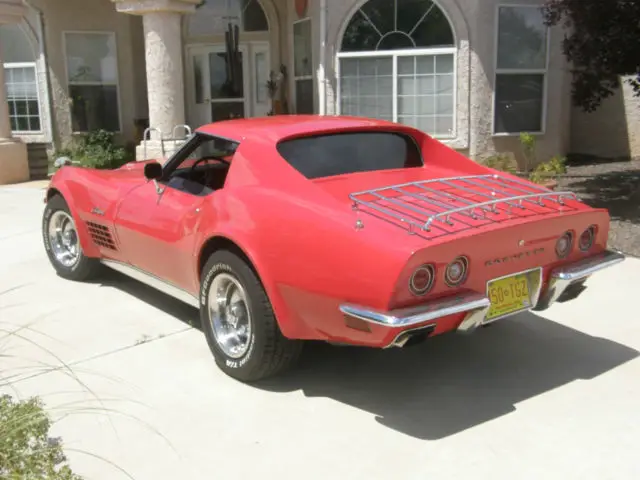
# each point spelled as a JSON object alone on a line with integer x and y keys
{"x": 367, "y": 87}
{"x": 424, "y": 88}
{"x": 426, "y": 100}
{"x": 22, "y": 98}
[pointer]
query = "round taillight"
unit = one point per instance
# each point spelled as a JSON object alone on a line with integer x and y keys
{"x": 456, "y": 271}
{"x": 422, "y": 280}
{"x": 587, "y": 238}
{"x": 564, "y": 244}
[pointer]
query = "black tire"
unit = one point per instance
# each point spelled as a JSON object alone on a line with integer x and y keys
{"x": 85, "y": 268}
{"x": 269, "y": 352}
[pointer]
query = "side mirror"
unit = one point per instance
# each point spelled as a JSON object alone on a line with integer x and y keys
{"x": 153, "y": 171}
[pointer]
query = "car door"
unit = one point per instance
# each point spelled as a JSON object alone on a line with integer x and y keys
{"x": 157, "y": 232}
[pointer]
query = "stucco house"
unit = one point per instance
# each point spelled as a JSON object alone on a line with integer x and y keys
{"x": 473, "y": 73}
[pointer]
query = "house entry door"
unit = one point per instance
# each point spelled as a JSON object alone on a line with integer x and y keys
{"x": 223, "y": 86}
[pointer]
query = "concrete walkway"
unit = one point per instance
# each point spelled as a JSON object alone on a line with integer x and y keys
{"x": 538, "y": 396}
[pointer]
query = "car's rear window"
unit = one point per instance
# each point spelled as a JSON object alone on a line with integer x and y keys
{"x": 341, "y": 153}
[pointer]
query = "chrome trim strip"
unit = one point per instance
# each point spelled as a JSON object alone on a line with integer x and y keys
{"x": 563, "y": 277}
{"x": 408, "y": 317}
{"x": 152, "y": 281}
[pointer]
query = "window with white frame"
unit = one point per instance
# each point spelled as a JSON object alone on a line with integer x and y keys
{"x": 521, "y": 70}
{"x": 303, "y": 66}
{"x": 397, "y": 62}
{"x": 21, "y": 80}
{"x": 92, "y": 72}
{"x": 22, "y": 97}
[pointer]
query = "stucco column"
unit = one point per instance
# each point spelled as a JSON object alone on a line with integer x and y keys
{"x": 165, "y": 76}
{"x": 165, "y": 84}
{"x": 14, "y": 162}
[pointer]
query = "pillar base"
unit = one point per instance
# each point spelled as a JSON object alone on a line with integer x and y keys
{"x": 157, "y": 150}
{"x": 14, "y": 161}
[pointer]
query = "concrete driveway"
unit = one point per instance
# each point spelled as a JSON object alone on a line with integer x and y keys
{"x": 538, "y": 396}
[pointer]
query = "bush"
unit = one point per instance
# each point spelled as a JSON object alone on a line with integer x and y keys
{"x": 502, "y": 162}
{"x": 546, "y": 170}
{"x": 26, "y": 450}
{"x": 96, "y": 150}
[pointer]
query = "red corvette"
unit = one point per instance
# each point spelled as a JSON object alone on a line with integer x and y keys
{"x": 348, "y": 230}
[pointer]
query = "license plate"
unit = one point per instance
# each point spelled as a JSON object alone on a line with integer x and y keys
{"x": 510, "y": 295}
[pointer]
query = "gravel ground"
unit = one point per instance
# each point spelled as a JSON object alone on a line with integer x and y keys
{"x": 616, "y": 187}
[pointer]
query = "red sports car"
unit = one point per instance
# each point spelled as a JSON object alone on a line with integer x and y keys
{"x": 348, "y": 230}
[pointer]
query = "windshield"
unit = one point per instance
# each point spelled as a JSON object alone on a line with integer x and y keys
{"x": 342, "y": 153}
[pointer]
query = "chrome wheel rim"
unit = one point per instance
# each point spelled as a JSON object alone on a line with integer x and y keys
{"x": 63, "y": 239}
{"x": 229, "y": 315}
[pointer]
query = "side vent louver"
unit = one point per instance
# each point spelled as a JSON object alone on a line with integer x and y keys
{"x": 101, "y": 235}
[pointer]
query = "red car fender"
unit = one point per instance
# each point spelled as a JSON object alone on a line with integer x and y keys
{"x": 59, "y": 185}
{"x": 290, "y": 325}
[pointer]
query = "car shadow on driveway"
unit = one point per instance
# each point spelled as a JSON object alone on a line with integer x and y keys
{"x": 454, "y": 382}
{"x": 442, "y": 387}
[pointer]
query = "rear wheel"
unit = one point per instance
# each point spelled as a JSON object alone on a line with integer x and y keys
{"x": 239, "y": 322}
{"x": 62, "y": 243}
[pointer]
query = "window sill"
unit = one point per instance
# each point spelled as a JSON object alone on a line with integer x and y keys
{"x": 515, "y": 134}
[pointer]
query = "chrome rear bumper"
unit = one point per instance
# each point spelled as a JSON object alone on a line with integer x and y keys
{"x": 476, "y": 305}
{"x": 569, "y": 275}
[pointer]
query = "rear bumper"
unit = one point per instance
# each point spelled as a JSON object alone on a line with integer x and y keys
{"x": 562, "y": 279}
{"x": 473, "y": 306}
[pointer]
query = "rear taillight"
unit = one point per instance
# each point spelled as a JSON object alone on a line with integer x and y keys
{"x": 456, "y": 272}
{"x": 587, "y": 238}
{"x": 564, "y": 244}
{"x": 421, "y": 282}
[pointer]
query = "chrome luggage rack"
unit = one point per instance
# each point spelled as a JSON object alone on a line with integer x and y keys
{"x": 457, "y": 203}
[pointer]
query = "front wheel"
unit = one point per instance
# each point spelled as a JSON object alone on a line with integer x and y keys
{"x": 239, "y": 322}
{"x": 62, "y": 243}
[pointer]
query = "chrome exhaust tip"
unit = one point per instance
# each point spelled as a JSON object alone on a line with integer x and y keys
{"x": 412, "y": 337}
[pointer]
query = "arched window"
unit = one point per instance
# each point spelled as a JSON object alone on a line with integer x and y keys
{"x": 397, "y": 63}
{"x": 212, "y": 17}
{"x": 20, "y": 76}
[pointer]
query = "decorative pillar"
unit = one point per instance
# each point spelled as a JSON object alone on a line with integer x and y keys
{"x": 165, "y": 75}
{"x": 14, "y": 162}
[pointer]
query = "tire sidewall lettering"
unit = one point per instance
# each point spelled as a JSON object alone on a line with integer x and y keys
{"x": 229, "y": 362}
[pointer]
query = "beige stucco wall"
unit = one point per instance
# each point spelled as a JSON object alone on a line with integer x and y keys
{"x": 93, "y": 15}
{"x": 612, "y": 131}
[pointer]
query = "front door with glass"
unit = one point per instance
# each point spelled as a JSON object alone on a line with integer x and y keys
{"x": 223, "y": 86}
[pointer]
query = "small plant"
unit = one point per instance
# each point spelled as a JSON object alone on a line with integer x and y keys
{"x": 528, "y": 143}
{"x": 502, "y": 162}
{"x": 26, "y": 450}
{"x": 548, "y": 170}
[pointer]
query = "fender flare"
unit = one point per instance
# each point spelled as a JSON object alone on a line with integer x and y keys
{"x": 289, "y": 324}
{"x": 88, "y": 247}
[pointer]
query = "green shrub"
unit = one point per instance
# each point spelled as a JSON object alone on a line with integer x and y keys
{"x": 26, "y": 450}
{"x": 546, "y": 170}
{"x": 502, "y": 162}
{"x": 96, "y": 150}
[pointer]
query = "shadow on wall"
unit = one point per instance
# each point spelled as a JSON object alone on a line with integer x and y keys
{"x": 605, "y": 132}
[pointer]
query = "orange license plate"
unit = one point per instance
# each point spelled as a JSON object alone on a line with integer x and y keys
{"x": 510, "y": 295}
